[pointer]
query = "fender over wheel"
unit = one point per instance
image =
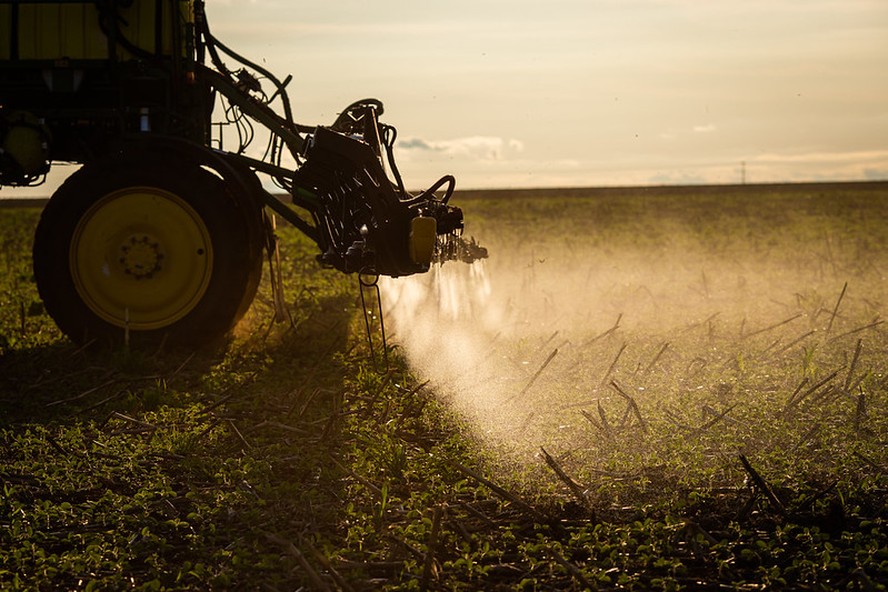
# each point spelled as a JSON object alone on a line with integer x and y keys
{"x": 140, "y": 250}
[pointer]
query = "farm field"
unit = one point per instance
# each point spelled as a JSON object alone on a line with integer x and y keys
{"x": 651, "y": 388}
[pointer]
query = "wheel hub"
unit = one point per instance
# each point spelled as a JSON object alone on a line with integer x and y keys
{"x": 141, "y": 256}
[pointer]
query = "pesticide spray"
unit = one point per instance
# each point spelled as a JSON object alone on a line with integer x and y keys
{"x": 558, "y": 327}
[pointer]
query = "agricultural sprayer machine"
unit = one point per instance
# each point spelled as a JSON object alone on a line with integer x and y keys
{"x": 160, "y": 233}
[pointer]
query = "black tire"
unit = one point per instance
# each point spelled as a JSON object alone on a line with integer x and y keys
{"x": 147, "y": 249}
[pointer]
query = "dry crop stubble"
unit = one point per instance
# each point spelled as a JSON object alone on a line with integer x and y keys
{"x": 610, "y": 355}
{"x": 660, "y": 334}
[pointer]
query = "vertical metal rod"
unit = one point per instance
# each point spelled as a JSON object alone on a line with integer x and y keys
{"x": 373, "y": 283}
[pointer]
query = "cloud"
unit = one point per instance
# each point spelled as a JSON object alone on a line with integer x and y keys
{"x": 414, "y": 144}
{"x": 704, "y": 129}
{"x": 491, "y": 148}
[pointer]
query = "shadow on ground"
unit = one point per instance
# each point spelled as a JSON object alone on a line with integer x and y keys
{"x": 181, "y": 467}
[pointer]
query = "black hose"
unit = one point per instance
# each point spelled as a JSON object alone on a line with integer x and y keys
{"x": 212, "y": 42}
{"x": 430, "y": 192}
{"x": 389, "y": 135}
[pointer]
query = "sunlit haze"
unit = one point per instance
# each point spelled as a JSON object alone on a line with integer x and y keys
{"x": 713, "y": 290}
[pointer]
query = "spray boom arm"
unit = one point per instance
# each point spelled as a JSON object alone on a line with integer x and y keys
{"x": 361, "y": 220}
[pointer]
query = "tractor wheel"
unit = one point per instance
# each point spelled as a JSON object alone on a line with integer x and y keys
{"x": 143, "y": 251}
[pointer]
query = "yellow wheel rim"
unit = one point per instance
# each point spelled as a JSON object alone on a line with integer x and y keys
{"x": 141, "y": 257}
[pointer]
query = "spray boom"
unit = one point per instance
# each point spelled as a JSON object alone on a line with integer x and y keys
{"x": 368, "y": 223}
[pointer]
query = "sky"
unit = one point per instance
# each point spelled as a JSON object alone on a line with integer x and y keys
{"x": 533, "y": 93}
{"x": 555, "y": 93}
